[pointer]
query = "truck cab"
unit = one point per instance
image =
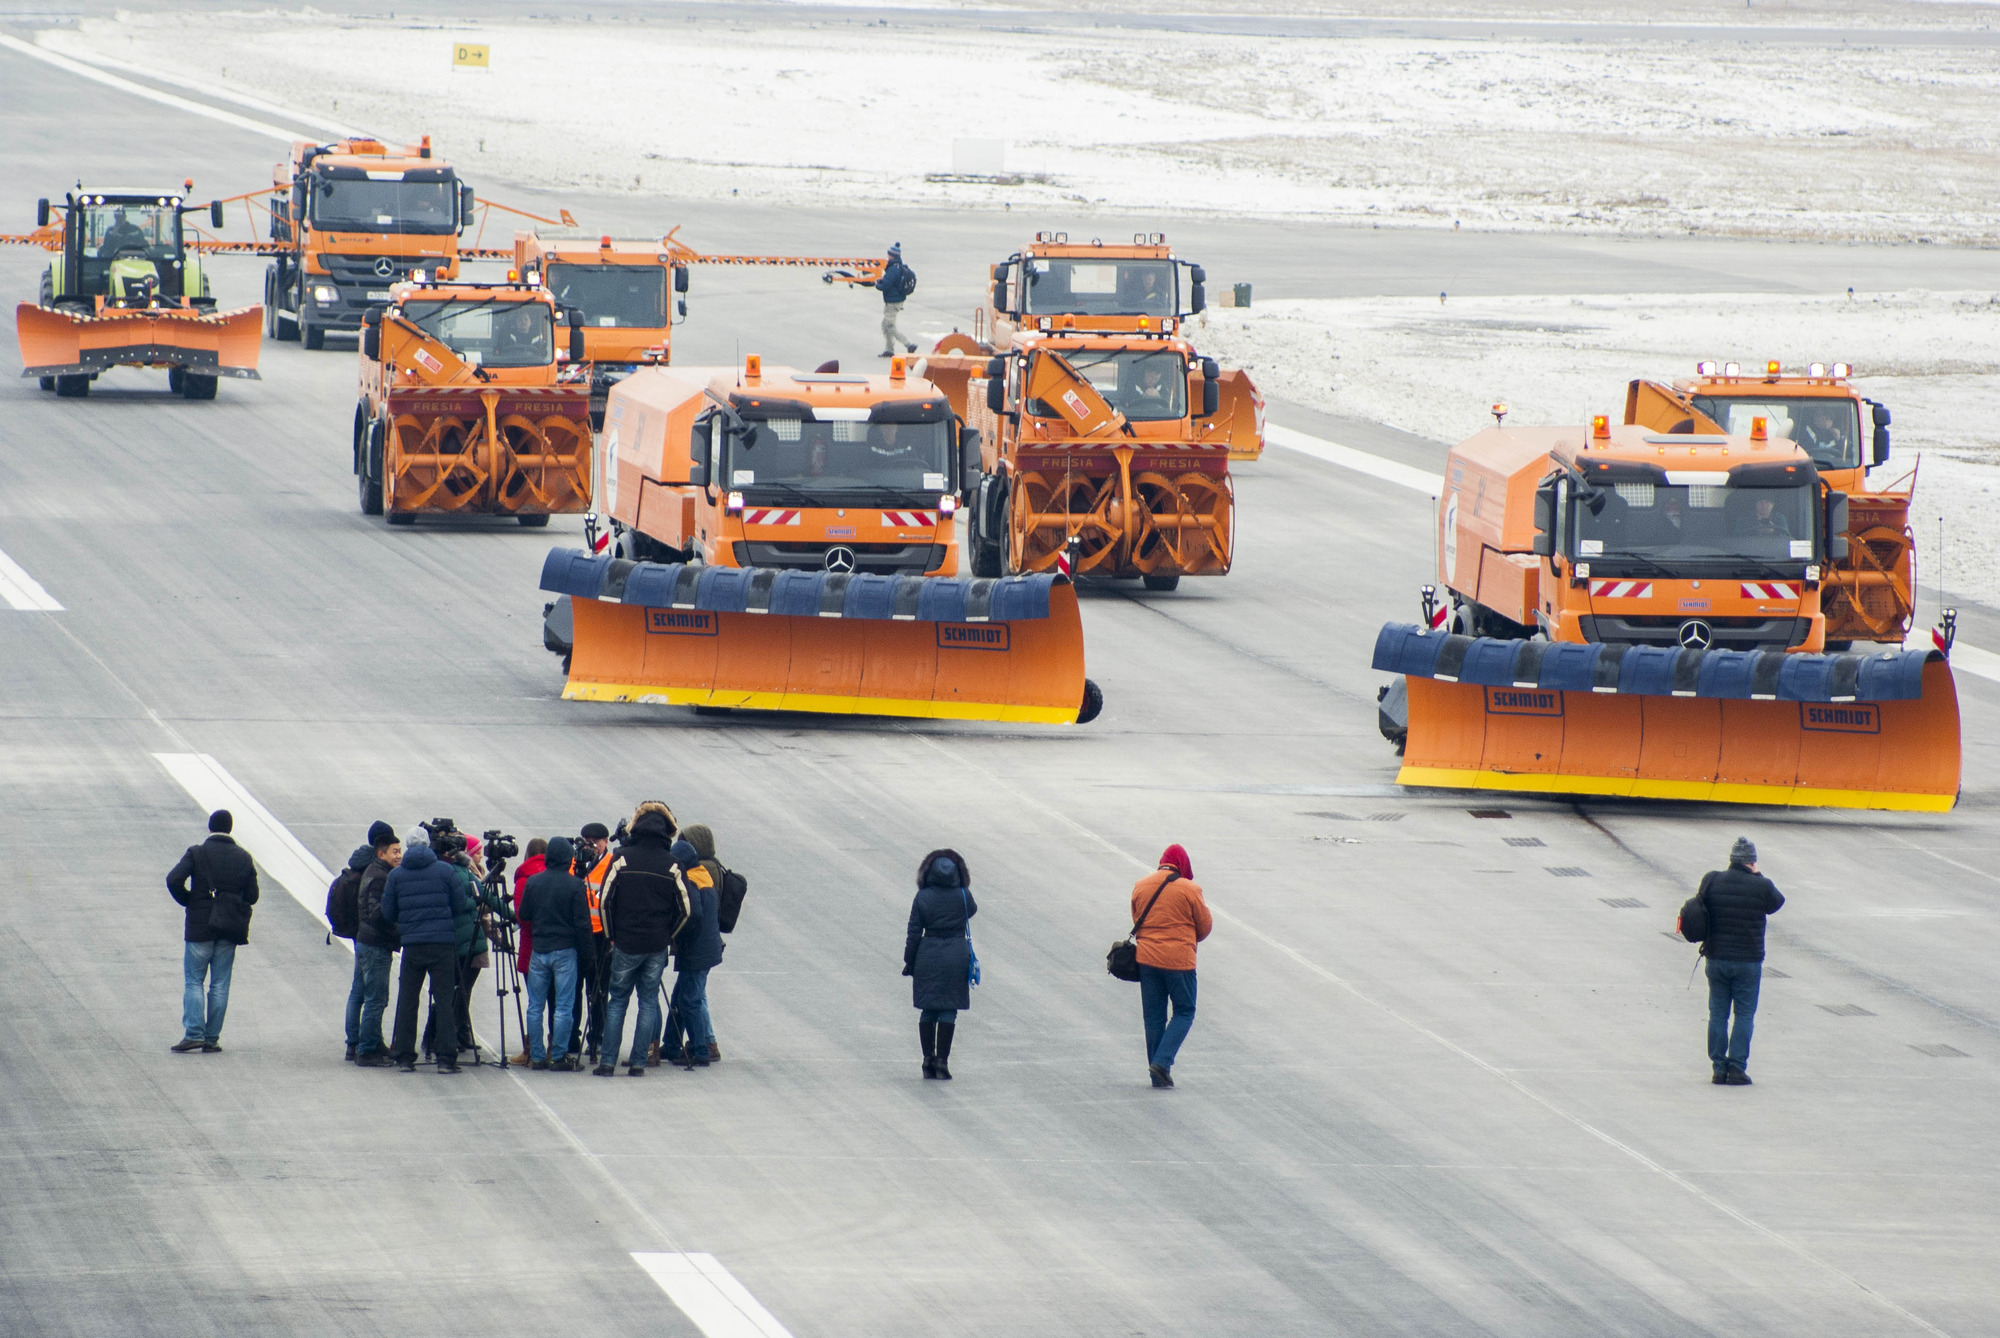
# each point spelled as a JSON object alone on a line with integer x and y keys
{"x": 777, "y": 468}
{"x": 124, "y": 248}
{"x": 357, "y": 217}
{"x": 627, "y": 291}
{"x": 1629, "y": 535}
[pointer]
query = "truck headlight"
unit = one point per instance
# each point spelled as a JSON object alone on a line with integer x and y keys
{"x": 947, "y": 504}
{"x": 733, "y": 503}
{"x": 322, "y": 293}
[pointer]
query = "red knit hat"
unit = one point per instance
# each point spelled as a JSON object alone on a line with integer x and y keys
{"x": 1175, "y": 858}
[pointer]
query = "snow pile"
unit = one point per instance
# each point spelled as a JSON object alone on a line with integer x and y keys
{"x": 1436, "y": 369}
{"x": 1789, "y": 138}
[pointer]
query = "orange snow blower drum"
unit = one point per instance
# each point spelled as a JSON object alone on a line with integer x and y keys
{"x": 851, "y": 644}
{"x": 1878, "y": 730}
{"x": 65, "y": 343}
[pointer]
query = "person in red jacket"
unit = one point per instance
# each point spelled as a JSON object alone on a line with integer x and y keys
{"x": 1175, "y": 917}
{"x": 536, "y": 860}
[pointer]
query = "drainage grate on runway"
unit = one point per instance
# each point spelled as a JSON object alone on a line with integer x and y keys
{"x": 1941, "y": 1051}
{"x": 1385, "y": 817}
{"x": 1624, "y": 903}
{"x": 1522, "y": 841}
{"x": 1567, "y": 871}
{"x": 1845, "y": 1010}
{"x": 1489, "y": 812}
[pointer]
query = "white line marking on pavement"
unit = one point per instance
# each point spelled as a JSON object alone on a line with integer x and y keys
{"x": 334, "y": 128}
{"x": 22, "y": 591}
{"x": 1971, "y": 659}
{"x": 82, "y": 70}
{"x": 297, "y": 869}
{"x": 709, "y": 1294}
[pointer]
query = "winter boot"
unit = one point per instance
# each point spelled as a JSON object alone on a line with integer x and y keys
{"x": 927, "y": 1033}
{"x": 945, "y": 1031}
{"x": 1161, "y": 1077}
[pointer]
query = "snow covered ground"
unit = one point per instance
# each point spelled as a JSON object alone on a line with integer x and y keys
{"x": 1836, "y": 139}
{"x": 1436, "y": 368}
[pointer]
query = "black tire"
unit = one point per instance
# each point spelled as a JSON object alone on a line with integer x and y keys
{"x": 402, "y": 517}
{"x": 176, "y": 380}
{"x": 1163, "y": 583}
{"x": 1839, "y": 647}
{"x": 72, "y": 387}
{"x": 270, "y": 301}
{"x": 371, "y": 495}
{"x": 985, "y": 552}
{"x": 48, "y": 383}
{"x": 48, "y": 290}
{"x": 314, "y": 336}
{"x": 533, "y": 522}
{"x": 194, "y": 386}
{"x": 1093, "y": 703}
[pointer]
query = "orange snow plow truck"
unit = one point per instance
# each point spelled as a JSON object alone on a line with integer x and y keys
{"x": 474, "y": 400}
{"x": 785, "y": 541}
{"x": 127, "y": 289}
{"x": 1640, "y": 612}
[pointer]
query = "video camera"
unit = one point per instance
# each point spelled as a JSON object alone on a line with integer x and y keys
{"x": 446, "y": 839}
{"x": 496, "y": 845}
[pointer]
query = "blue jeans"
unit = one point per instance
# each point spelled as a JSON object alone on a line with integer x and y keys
{"x": 1731, "y": 983}
{"x": 368, "y": 998}
{"x": 551, "y": 972}
{"x": 629, "y": 972}
{"x": 687, "y": 1013}
{"x": 201, "y": 1017}
{"x": 1156, "y": 987}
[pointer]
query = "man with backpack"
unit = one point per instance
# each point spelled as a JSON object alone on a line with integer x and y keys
{"x": 645, "y": 905}
{"x": 376, "y": 938}
{"x": 218, "y": 903}
{"x": 1727, "y": 916}
{"x": 896, "y": 282}
{"x": 690, "y": 1037}
{"x": 343, "y": 917}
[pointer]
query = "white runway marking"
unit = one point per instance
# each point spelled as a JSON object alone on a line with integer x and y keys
{"x": 709, "y": 1295}
{"x": 275, "y": 849}
{"x": 22, "y": 591}
{"x": 82, "y": 70}
{"x": 1964, "y": 658}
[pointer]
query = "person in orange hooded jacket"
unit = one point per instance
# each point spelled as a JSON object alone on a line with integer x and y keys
{"x": 1175, "y": 919}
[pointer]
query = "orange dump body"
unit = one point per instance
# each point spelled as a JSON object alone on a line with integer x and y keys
{"x": 486, "y": 416}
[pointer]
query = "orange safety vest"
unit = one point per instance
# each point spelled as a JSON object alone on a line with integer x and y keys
{"x": 593, "y": 891}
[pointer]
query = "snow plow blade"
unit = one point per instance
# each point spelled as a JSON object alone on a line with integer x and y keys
{"x": 62, "y": 343}
{"x": 1877, "y": 730}
{"x": 761, "y": 639}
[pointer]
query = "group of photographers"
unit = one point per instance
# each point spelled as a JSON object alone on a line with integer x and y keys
{"x": 597, "y": 918}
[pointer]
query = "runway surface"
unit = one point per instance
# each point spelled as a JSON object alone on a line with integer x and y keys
{"x": 1439, "y": 1083}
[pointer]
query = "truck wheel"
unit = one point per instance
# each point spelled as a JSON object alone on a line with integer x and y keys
{"x": 271, "y": 301}
{"x": 72, "y": 387}
{"x": 1163, "y": 582}
{"x": 176, "y": 380}
{"x": 195, "y": 386}
{"x": 48, "y": 383}
{"x": 371, "y": 495}
{"x": 533, "y": 522}
{"x": 314, "y": 336}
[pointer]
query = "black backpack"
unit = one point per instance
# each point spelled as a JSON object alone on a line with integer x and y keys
{"x": 343, "y": 902}
{"x": 1693, "y": 924}
{"x": 729, "y": 894}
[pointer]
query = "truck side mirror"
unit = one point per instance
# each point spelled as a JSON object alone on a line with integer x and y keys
{"x": 1545, "y": 522}
{"x": 999, "y": 294}
{"x": 371, "y": 335}
{"x": 968, "y": 456}
{"x": 996, "y": 393}
{"x": 1211, "y": 397}
{"x": 576, "y": 349}
{"x": 1881, "y": 433}
{"x": 1836, "y": 513}
{"x": 215, "y": 219}
{"x": 466, "y": 203}
{"x": 41, "y": 213}
{"x": 1836, "y": 548}
{"x": 1197, "y": 298}
{"x": 680, "y": 278}
{"x": 698, "y": 449}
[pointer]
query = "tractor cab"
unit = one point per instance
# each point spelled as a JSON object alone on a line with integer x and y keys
{"x": 124, "y": 248}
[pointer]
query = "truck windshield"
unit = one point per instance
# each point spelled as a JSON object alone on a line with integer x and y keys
{"x": 1101, "y": 287}
{"x": 841, "y": 457}
{"x": 1662, "y": 523}
{"x": 347, "y": 205}
{"x": 1145, "y": 387}
{"x": 1827, "y": 429}
{"x": 487, "y": 333}
{"x": 626, "y": 297}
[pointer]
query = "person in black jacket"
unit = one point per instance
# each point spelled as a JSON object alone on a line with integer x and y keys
{"x": 697, "y": 951}
{"x": 1739, "y": 900}
{"x": 937, "y": 954}
{"x": 645, "y": 904}
{"x": 374, "y": 947}
{"x": 557, "y": 914}
{"x": 218, "y": 866}
{"x": 896, "y": 282}
{"x": 422, "y": 899}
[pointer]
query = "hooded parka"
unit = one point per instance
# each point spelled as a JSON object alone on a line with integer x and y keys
{"x": 937, "y": 956}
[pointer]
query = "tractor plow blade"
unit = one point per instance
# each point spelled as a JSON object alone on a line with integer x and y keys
{"x": 1877, "y": 730}
{"x": 761, "y": 639}
{"x": 62, "y": 343}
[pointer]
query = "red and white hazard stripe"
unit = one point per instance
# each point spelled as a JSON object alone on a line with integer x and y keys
{"x": 1620, "y": 589}
{"x": 770, "y": 515}
{"x": 909, "y": 519}
{"x": 1769, "y": 590}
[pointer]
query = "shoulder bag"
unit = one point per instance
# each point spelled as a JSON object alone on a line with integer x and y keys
{"x": 972, "y": 968}
{"x": 1123, "y": 959}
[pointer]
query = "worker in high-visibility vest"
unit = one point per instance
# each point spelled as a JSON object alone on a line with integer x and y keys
{"x": 593, "y": 862}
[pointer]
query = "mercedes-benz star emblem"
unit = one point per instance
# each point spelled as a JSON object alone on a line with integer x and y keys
{"x": 1696, "y": 634}
{"x": 839, "y": 558}
{"x": 384, "y": 266}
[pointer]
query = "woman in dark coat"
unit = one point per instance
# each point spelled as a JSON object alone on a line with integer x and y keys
{"x": 937, "y": 955}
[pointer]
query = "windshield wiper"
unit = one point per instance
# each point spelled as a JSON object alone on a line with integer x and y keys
{"x": 1657, "y": 567}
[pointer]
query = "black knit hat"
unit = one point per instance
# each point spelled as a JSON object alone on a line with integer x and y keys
{"x": 380, "y": 834}
{"x": 1743, "y": 852}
